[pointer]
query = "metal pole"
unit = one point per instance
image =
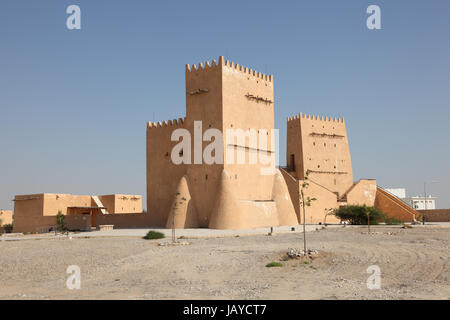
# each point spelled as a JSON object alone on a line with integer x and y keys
{"x": 425, "y": 195}
{"x": 304, "y": 222}
{"x": 173, "y": 228}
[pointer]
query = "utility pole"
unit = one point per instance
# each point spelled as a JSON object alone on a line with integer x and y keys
{"x": 425, "y": 195}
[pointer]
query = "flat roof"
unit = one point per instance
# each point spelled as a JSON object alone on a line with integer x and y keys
{"x": 86, "y": 207}
{"x": 38, "y": 195}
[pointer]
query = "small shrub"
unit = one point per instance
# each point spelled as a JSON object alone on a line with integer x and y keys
{"x": 61, "y": 222}
{"x": 358, "y": 214}
{"x": 154, "y": 235}
{"x": 285, "y": 258}
{"x": 7, "y": 228}
{"x": 392, "y": 221}
{"x": 274, "y": 264}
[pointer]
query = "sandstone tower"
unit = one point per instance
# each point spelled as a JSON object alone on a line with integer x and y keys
{"x": 320, "y": 144}
{"x": 224, "y": 96}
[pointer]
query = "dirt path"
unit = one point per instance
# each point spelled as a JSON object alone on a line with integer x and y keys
{"x": 414, "y": 264}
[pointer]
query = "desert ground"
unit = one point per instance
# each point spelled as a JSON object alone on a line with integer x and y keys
{"x": 414, "y": 264}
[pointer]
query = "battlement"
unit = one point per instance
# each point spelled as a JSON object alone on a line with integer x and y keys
{"x": 315, "y": 118}
{"x": 171, "y": 123}
{"x": 228, "y": 64}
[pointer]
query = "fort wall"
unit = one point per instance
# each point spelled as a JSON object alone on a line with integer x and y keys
{"x": 79, "y": 222}
{"x": 436, "y": 215}
{"x": 162, "y": 174}
{"x": 362, "y": 193}
{"x": 37, "y": 212}
{"x": 124, "y": 220}
{"x": 121, "y": 203}
{"x": 393, "y": 207}
{"x": 29, "y": 213}
{"x": 6, "y": 217}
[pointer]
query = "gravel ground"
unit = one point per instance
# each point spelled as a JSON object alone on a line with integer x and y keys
{"x": 191, "y": 233}
{"x": 414, "y": 264}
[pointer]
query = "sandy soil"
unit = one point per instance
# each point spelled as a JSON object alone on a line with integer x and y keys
{"x": 414, "y": 263}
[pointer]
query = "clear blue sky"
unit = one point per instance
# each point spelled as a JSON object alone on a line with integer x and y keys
{"x": 74, "y": 104}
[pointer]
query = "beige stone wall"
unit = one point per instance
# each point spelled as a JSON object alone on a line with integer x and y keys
{"x": 206, "y": 107}
{"x": 53, "y": 203}
{"x": 162, "y": 175}
{"x": 293, "y": 186}
{"x": 34, "y": 212}
{"x": 294, "y": 150}
{"x": 244, "y": 108}
{"x": 108, "y": 201}
{"x": 326, "y": 200}
{"x": 29, "y": 213}
{"x": 6, "y": 217}
{"x": 125, "y": 220}
{"x": 121, "y": 203}
{"x": 362, "y": 193}
{"x": 128, "y": 204}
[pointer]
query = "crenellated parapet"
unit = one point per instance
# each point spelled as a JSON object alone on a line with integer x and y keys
{"x": 223, "y": 63}
{"x": 165, "y": 124}
{"x": 203, "y": 66}
{"x": 315, "y": 118}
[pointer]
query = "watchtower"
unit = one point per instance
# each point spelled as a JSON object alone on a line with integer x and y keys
{"x": 320, "y": 145}
{"x": 238, "y": 190}
{"x": 227, "y": 96}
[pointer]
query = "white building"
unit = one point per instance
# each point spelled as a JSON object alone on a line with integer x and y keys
{"x": 421, "y": 203}
{"x": 417, "y": 203}
{"x": 398, "y": 192}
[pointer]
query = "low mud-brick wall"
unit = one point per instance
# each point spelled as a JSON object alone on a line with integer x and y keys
{"x": 436, "y": 215}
